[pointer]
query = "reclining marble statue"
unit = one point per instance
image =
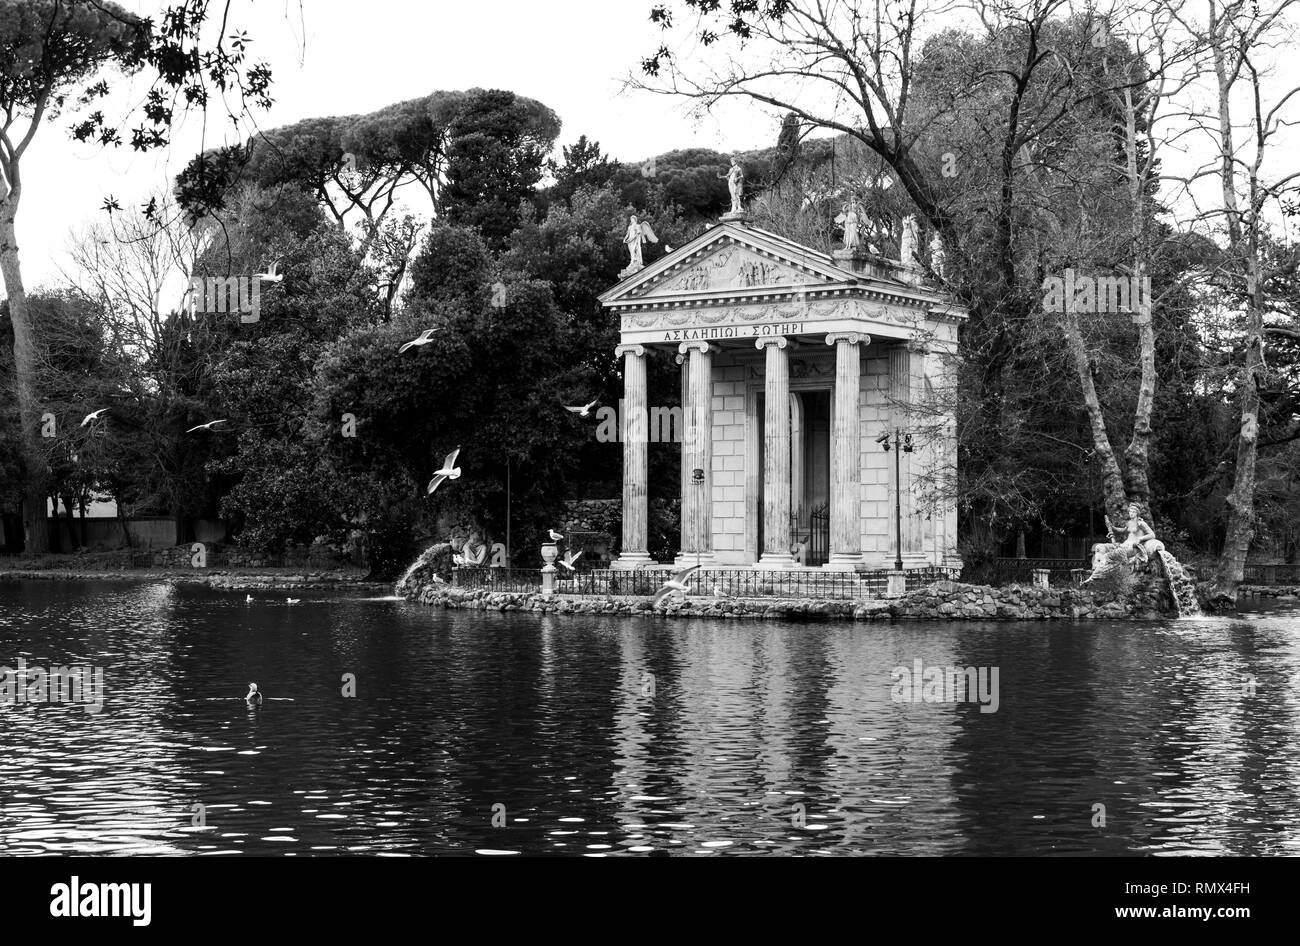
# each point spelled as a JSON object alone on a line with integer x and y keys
{"x": 1136, "y": 542}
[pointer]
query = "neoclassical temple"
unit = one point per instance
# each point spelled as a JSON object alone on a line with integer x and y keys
{"x": 793, "y": 363}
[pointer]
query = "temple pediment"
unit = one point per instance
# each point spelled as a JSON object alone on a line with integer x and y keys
{"x": 729, "y": 259}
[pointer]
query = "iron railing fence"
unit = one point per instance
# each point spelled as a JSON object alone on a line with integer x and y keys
{"x": 513, "y": 580}
{"x": 1272, "y": 574}
{"x": 1066, "y": 572}
{"x": 747, "y": 582}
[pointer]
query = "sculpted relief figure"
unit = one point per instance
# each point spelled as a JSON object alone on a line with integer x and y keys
{"x": 638, "y": 232}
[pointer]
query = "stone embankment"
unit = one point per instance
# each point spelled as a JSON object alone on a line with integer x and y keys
{"x": 243, "y": 581}
{"x": 944, "y": 600}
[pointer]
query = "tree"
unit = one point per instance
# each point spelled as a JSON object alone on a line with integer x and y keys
{"x": 52, "y": 49}
{"x": 1237, "y": 39}
{"x": 498, "y": 143}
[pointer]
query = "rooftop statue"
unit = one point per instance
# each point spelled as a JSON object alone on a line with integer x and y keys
{"x": 638, "y": 232}
{"x": 851, "y": 220}
{"x": 735, "y": 178}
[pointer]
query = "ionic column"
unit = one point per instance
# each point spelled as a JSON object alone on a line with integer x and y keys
{"x": 636, "y": 512}
{"x": 846, "y": 452}
{"x": 776, "y": 455}
{"x": 681, "y": 431}
{"x": 697, "y": 450}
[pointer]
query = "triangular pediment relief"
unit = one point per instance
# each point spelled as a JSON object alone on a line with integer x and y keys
{"x": 726, "y": 267}
{"x": 729, "y": 260}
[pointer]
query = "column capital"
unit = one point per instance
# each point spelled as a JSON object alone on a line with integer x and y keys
{"x": 621, "y": 350}
{"x": 767, "y": 341}
{"x": 702, "y": 347}
{"x": 853, "y": 338}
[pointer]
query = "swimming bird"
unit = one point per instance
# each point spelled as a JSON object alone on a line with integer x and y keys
{"x": 679, "y": 582}
{"x": 584, "y": 410}
{"x": 273, "y": 274}
{"x": 449, "y": 471}
{"x": 292, "y": 600}
{"x": 93, "y": 416}
{"x": 208, "y": 426}
{"x": 422, "y": 339}
{"x": 254, "y": 696}
{"x": 569, "y": 559}
{"x": 555, "y": 536}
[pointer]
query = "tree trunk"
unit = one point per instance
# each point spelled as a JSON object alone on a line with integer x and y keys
{"x": 55, "y": 532}
{"x": 75, "y": 541}
{"x": 35, "y": 522}
{"x": 1241, "y": 501}
{"x": 1137, "y": 457}
{"x": 1114, "y": 496}
{"x": 183, "y": 527}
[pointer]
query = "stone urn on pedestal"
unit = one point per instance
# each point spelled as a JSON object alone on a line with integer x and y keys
{"x": 549, "y": 554}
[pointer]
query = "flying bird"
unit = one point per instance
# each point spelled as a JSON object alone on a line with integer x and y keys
{"x": 555, "y": 536}
{"x": 679, "y": 582}
{"x": 449, "y": 471}
{"x": 422, "y": 339}
{"x": 584, "y": 410}
{"x": 208, "y": 426}
{"x": 272, "y": 275}
{"x": 94, "y": 416}
{"x": 569, "y": 559}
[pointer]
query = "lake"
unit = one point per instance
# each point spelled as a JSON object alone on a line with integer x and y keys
{"x": 539, "y": 734}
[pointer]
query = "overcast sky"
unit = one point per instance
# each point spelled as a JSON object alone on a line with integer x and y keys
{"x": 333, "y": 57}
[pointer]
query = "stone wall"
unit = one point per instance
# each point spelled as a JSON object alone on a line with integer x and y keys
{"x": 947, "y": 601}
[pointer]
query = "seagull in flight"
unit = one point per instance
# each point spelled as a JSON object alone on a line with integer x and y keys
{"x": 584, "y": 410}
{"x": 208, "y": 426}
{"x": 93, "y": 416}
{"x": 569, "y": 559}
{"x": 422, "y": 339}
{"x": 272, "y": 275}
{"x": 555, "y": 536}
{"x": 679, "y": 582}
{"x": 449, "y": 471}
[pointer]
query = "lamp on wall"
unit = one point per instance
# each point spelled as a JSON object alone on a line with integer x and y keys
{"x": 697, "y": 478}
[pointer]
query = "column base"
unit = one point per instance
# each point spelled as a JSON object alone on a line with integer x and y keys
{"x": 633, "y": 561}
{"x": 776, "y": 561}
{"x": 896, "y": 585}
{"x": 686, "y": 559}
{"x": 844, "y": 562}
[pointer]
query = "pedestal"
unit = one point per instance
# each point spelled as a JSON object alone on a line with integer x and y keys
{"x": 896, "y": 585}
